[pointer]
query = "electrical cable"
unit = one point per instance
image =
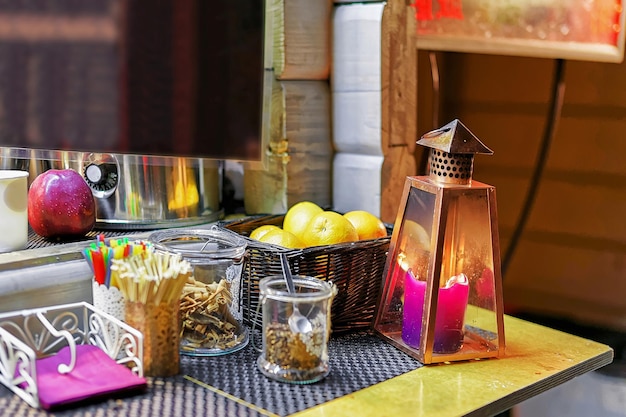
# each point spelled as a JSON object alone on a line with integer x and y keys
{"x": 554, "y": 114}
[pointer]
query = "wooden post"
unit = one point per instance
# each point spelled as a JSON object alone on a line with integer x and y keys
{"x": 399, "y": 102}
{"x": 299, "y": 154}
{"x": 298, "y": 164}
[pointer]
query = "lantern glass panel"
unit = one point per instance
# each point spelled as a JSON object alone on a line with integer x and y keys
{"x": 468, "y": 251}
{"x": 410, "y": 249}
{"x": 439, "y": 295}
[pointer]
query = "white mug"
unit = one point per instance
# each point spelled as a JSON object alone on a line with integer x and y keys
{"x": 13, "y": 210}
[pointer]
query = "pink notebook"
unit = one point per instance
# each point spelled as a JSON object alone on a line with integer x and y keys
{"x": 94, "y": 376}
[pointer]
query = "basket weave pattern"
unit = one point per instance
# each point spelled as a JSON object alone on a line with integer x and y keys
{"x": 356, "y": 269}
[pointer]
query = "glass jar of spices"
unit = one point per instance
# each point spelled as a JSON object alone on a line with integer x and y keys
{"x": 293, "y": 350}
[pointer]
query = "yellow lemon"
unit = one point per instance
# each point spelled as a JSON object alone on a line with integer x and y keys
{"x": 415, "y": 236}
{"x": 262, "y": 230}
{"x": 415, "y": 245}
{"x": 282, "y": 238}
{"x": 298, "y": 217}
{"x": 366, "y": 224}
{"x": 329, "y": 228}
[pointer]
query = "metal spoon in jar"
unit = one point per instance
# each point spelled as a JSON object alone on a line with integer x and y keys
{"x": 297, "y": 322}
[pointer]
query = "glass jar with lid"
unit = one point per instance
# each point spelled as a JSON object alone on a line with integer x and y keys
{"x": 293, "y": 350}
{"x": 210, "y": 306}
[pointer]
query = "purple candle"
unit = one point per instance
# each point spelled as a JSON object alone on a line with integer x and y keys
{"x": 450, "y": 313}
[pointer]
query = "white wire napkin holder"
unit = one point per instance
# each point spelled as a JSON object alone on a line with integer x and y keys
{"x": 28, "y": 335}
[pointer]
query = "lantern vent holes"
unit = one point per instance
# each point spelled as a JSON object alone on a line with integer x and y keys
{"x": 448, "y": 167}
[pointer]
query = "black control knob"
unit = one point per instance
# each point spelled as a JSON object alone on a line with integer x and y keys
{"x": 101, "y": 177}
{"x": 95, "y": 174}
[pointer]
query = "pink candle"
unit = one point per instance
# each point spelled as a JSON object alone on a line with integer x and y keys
{"x": 450, "y": 313}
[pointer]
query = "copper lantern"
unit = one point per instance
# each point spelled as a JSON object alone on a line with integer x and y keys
{"x": 442, "y": 291}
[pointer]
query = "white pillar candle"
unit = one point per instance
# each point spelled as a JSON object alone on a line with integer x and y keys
{"x": 13, "y": 210}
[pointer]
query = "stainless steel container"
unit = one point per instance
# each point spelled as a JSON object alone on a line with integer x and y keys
{"x": 135, "y": 192}
{"x": 14, "y": 158}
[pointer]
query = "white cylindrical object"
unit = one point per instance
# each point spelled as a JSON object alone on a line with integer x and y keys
{"x": 356, "y": 122}
{"x": 357, "y": 183}
{"x": 357, "y": 47}
{"x": 13, "y": 210}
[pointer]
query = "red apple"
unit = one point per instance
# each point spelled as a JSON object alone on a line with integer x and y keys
{"x": 60, "y": 203}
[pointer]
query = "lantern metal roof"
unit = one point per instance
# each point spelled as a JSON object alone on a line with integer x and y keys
{"x": 454, "y": 138}
{"x": 453, "y": 147}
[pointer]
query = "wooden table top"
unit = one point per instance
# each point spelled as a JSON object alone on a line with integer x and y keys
{"x": 537, "y": 359}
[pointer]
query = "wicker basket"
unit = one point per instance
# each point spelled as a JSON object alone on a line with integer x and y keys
{"x": 356, "y": 269}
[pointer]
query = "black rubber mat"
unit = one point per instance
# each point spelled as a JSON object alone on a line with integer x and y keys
{"x": 35, "y": 241}
{"x": 231, "y": 385}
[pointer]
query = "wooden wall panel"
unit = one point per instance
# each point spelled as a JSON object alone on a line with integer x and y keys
{"x": 575, "y": 282}
{"x": 594, "y": 145}
{"x": 571, "y": 258}
{"x": 301, "y": 39}
{"x": 598, "y": 85}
